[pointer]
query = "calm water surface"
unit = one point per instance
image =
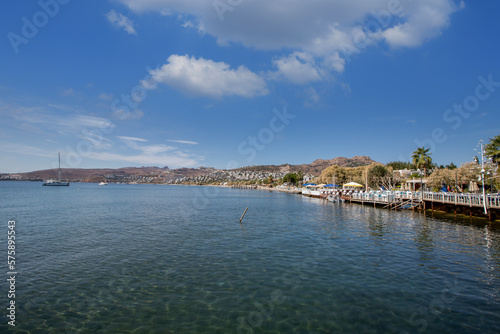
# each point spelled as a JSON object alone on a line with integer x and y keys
{"x": 174, "y": 259}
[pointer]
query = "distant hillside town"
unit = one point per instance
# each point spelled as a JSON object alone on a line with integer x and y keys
{"x": 201, "y": 175}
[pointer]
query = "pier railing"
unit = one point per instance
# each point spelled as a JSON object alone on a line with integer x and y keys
{"x": 476, "y": 200}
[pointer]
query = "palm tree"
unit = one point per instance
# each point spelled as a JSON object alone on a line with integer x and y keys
{"x": 492, "y": 149}
{"x": 422, "y": 158}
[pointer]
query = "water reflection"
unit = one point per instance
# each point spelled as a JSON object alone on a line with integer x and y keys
{"x": 424, "y": 239}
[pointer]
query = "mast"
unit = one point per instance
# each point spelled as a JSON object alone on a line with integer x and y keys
{"x": 482, "y": 178}
{"x": 59, "y": 154}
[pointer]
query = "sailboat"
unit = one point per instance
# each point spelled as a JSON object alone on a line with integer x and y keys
{"x": 58, "y": 181}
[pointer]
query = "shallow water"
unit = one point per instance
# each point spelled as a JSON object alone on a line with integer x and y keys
{"x": 174, "y": 259}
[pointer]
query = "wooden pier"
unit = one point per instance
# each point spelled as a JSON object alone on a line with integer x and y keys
{"x": 471, "y": 204}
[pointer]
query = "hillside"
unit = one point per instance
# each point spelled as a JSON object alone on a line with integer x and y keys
{"x": 126, "y": 174}
{"x": 314, "y": 168}
{"x": 165, "y": 174}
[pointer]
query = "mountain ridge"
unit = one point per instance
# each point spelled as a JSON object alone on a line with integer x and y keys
{"x": 164, "y": 174}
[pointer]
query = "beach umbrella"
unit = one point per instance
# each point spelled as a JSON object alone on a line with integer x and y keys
{"x": 353, "y": 184}
{"x": 473, "y": 186}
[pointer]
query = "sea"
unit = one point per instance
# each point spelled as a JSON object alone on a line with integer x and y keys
{"x": 176, "y": 259}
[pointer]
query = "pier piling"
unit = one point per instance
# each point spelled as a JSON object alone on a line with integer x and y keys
{"x": 243, "y": 215}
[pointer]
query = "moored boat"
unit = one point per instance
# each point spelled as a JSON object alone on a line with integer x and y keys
{"x": 58, "y": 181}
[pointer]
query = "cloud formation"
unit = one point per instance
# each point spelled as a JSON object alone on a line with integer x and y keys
{"x": 329, "y": 31}
{"x": 188, "y": 142}
{"x": 202, "y": 77}
{"x": 173, "y": 160}
{"x": 120, "y": 21}
{"x": 149, "y": 154}
{"x": 298, "y": 68}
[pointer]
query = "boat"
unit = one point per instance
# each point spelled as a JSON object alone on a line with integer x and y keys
{"x": 103, "y": 184}
{"x": 58, "y": 181}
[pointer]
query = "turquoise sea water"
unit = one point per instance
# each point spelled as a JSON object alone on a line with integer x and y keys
{"x": 174, "y": 259}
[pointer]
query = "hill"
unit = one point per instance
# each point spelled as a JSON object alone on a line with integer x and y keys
{"x": 165, "y": 174}
{"x": 126, "y": 174}
{"x": 314, "y": 168}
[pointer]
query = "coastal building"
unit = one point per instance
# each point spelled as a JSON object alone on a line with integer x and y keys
{"x": 405, "y": 173}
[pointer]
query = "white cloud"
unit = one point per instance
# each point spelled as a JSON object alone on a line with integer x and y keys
{"x": 149, "y": 154}
{"x": 131, "y": 138}
{"x": 124, "y": 115}
{"x": 202, "y": 77}
{"x": 45, "y": 117}
{"x": 68, "y": 92}
{"x": 106, "y": 97}
{"x": 299, "y": 68}
{"x": 329, "y": 30}
{"x": 183, "y": 142}
{"x": 132, "y": 143}
{"x": 346, "y": 88}
{"x": 26, "y": 149}
{"x": 87, "y": 121}
{"x": 97, "y": 141}
{"x": 120, "y": 21}
{"x": 172, "y": 160}
{"x": 426, "y": 22}
{"x": 312, "y": 95}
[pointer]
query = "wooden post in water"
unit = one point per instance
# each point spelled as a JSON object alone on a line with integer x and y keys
{"x": 243, "y": 215}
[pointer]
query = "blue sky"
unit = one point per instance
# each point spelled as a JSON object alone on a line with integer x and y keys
{"x": 228, "y": 83}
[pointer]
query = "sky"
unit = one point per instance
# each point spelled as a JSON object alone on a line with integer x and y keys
{"x": 231, "y": 83}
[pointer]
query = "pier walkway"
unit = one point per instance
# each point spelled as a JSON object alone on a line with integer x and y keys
{"x": 470, "y": 200}
{"x": 471, "y": 204}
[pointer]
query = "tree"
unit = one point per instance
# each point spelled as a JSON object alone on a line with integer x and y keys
{"x": 381, "y": 176}
{"x": 492, "y": 149}
{"x": 451, "y": 166}
{"x": 400, "y": 165}
{"x": 342, "y": 174}
{"x": 291, "y": 178}
{"x": 421, "y": 158}
{"x": 440, "y": 176}
{"x": 466, "y": 173}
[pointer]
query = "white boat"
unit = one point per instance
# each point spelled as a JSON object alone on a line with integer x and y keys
{"x": 103, "y": 184}
{"x": 58, "y": 181}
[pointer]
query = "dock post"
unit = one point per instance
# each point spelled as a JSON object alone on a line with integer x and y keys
{"x": 243, "y": 215}
{"x": 492, "y": 216}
